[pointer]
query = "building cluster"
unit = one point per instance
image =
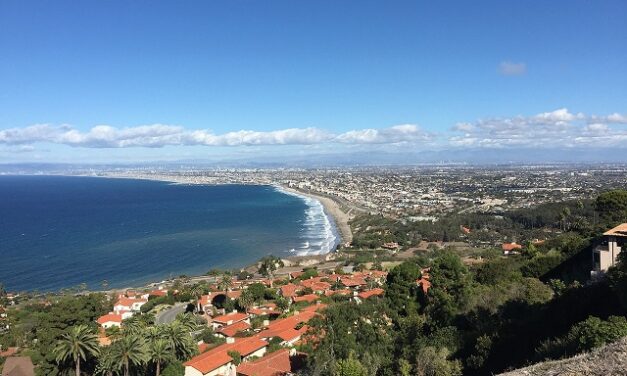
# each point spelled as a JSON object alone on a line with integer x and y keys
{"x": 126, "y": 305}
{"x": 267, "y": 347}
{"x": 247, "y": 350}
{"x": 419, "y": 193}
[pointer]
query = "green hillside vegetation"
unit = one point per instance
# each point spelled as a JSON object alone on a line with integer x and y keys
{"x": 501, "y": 314}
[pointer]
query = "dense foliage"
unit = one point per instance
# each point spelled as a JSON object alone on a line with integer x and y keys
{"x": 484, "y": 318}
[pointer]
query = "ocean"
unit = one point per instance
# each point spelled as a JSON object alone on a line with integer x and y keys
{"x": 58, "y": 232}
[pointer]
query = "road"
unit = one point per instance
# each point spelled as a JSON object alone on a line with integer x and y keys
{"x": 168, "y": 315}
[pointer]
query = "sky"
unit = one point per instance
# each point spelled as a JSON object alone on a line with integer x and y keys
{"x": 132, "y": 81}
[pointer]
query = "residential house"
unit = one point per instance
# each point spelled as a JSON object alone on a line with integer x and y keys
{"x": 605, "y": 254}
{"x": 217, "y": 361}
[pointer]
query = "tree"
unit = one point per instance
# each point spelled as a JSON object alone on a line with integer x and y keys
{"x": 129, "y": 351}
{"x": 612, "y": 206}
{"x": 75, "y": 345}
{"x": 594, "y": 332}
{"x": 350, "y": 367}
{"x": 107, "y": 363}
{"x": 402, "y": 290}
{"x": 245, "y": 300}
{"x": 434, "y": 362}
{"x": 159, "y": 352}
{"x": 197, "y": 291}
{"x": 226, "y": 283}
{"x": 175, "y": 368}
{"x": 237, "y": 357}
{"x": 181, "y": 342}
{"x": 268, "y": 265}
{"x": 450, "y": 288}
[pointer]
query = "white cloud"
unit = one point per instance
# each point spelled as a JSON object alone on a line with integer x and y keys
{"x": 159, "y": 135}
{"x": 392, "y": 135}
{"x": 554, "y": 129}
{"x": 557, "y": 129}
{"x": 509, "y": 68}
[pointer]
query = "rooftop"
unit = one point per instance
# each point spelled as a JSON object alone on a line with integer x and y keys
{"x": 620, "y": 230}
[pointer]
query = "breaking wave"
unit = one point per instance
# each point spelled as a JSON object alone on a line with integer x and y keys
{"x": 318, "y": 229}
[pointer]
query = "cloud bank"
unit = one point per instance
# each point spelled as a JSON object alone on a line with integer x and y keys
{"x": 159, "y": 135}
{"x": 553, "y": 129}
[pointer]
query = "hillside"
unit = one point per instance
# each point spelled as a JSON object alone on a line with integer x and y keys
{"x": 607, "y": 360}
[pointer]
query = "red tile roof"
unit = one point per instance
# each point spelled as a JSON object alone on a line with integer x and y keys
{"x": 276, "y": 364}
{"x": 218, "y": 356}
{"x": 353, "y": 282}
{"x": 286, "y": 328}
{"x": 233, "y": 329}
{"x": 128, "y": 302}
{"x": 110, "y": 317}
{"x": 296, "y": 274}
{"x": 10, "y": 351}
{"x": 306, "y": 298}
{"x": 158, "y": 293}
{"x": 511, "y": 246}
{"x": 338, "y": 292}
{"x": 233, "y": 317}
{"x": 289, "y": 290}
{"x": 369, "y": 293}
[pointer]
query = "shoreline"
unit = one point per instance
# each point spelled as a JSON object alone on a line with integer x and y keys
{"x": 331, "y": 208}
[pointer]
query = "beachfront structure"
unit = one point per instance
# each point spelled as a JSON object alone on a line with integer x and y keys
{"x": 605, "y": 254}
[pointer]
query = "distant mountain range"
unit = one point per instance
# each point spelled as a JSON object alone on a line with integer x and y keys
{"x": 470, "y": 157}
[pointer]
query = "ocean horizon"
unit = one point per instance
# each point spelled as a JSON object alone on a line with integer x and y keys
{"x": 62, "y": 231}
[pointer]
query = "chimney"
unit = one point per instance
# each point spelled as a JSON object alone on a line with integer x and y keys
{"x": 296, "y": 313}
{"x": 266, "y": 322}
{"x": 230, "y": 340}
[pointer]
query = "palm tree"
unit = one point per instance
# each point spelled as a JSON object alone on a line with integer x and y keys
{"x": 181, "y": 342}
{"x": 108, "y": 365}
{"x": 76, "y": 345}
{"x": 159, "y": 352}
{"x": 226, "y": 282}
{"x": 197, "y": 292}
{"x": 133, "y": 326}
{"x": 129, "y": 351}
{"x": 187, "y": 321}
{"x": 246, "y": 300}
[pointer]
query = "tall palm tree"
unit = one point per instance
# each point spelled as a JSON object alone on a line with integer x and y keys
{"x": 76, "y": 344}
{"x": 197, "y": 292}
{"x": 129, "y": 351}
{"x": 159, "y": 352}
{"x": 226, "y": 282}
{"x": 246, "y": 300}
{"x": 108, "y": 364}
{"x": 187, "y": 321}
{"x": 181, "y": 342}
{"x": 133, "y": 326}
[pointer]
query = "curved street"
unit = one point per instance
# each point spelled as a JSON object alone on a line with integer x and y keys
{"x": 168, "y": 315}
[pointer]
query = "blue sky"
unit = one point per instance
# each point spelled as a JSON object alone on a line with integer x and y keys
{"x": 165, "y": 80}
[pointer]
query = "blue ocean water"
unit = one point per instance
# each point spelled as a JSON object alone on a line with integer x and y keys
{"x": 58, "y": 232}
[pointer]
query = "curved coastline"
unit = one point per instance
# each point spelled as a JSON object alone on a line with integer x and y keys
{"x": 331, "y": 236}
{"x": 332, "y": 209}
